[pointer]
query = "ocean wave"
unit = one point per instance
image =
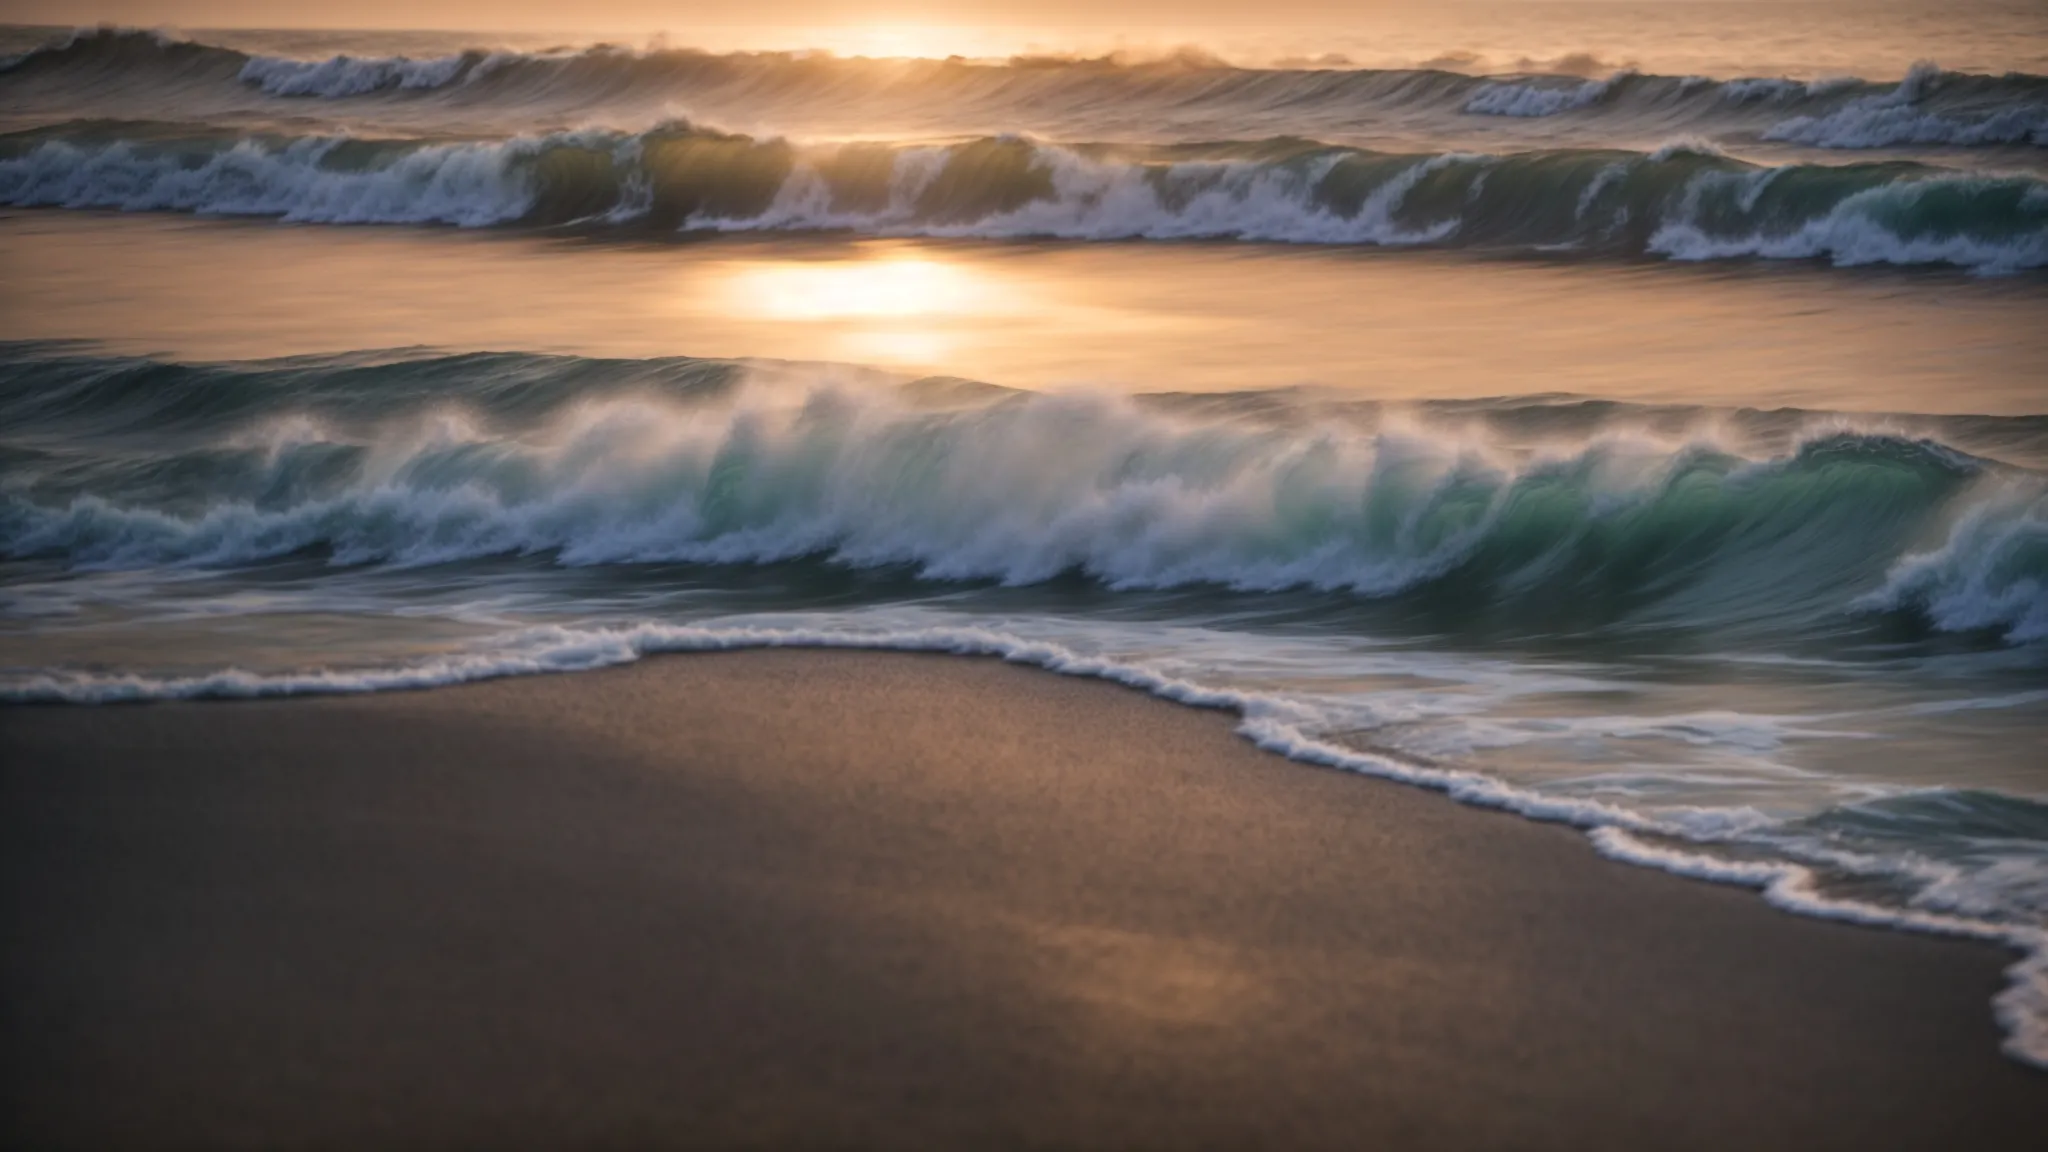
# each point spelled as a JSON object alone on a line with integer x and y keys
{"x": 85, "y": 60}
{"x": 1903, "y": 116}
{"x": 1902, "y": 222}
{"x": 353, "y": 75}
{"x": 1190, "y": 96}
{"x": 1026, "y": 488}
{"x": 1781, "y": 89}
{"x": 306, "y": 180}
{"x": 1685, "y": 201}
{"x": 1991, "y": 574}
{"x": 1534, "y": 98}
{"x": 1929, "y": 107}
{"x": 109, "y": 43}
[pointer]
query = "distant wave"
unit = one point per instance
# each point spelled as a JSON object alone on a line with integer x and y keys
{"x": 352, "y": 76}
{"x": 1929, "y": 107}
{"x": 1685, "y": 202}
{"x": 687, "y": 461}
{"x": 1975, "y": 112}
{"x": 1534, "y": 98}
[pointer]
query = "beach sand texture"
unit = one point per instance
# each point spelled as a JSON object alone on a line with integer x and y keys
{"x": 844, "y": 899}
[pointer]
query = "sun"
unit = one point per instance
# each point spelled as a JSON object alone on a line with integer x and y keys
{"x": 895, "y": 40}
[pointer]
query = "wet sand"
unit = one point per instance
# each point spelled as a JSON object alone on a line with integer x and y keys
{"x": 876, "y": 900}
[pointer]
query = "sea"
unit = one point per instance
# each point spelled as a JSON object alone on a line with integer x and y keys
{"x": 1628, "y": 415}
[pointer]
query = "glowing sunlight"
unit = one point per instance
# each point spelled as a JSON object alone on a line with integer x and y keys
{"x": 894, "y": 287}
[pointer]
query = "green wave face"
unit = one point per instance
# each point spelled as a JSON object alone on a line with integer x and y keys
{"x": 1557, "y": 516}
{"x": 1679, "y": 203}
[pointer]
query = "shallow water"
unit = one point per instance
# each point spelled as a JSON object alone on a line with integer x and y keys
{"x": 1036, "y": 314}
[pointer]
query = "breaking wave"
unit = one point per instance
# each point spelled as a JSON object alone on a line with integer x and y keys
{"x": 352, "y": 76}
{"x": 1530, "y": 98}
{"x": 1685, "y": 201}
{"x": 1188, "y": 95}
{"x": 605, "y": 463}
{"x": 1990, "y": 573}
{"x": 1928, "y": 107}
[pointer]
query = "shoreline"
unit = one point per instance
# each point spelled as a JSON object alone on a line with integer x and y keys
{"x": 1617, "y": 835}
{"x": 815, "y": 896}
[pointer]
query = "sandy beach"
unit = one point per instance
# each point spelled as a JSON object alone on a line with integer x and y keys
{"x": 875, "y": 900}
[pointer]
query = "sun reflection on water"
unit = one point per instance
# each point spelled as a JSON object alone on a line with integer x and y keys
{"x": 898, "y": 310}
{"x": 892, "y": 287}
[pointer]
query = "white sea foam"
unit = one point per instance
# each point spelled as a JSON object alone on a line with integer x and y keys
{"x": 1686, "y": 146}
{"x": 466, "y": 184}
{"x": 1017, "y": 492}
{"x": 486, "y": 183}
{"x": 1901, "y": 116}
{"x": 1530, "y": 98}
{"x": 1855, "y": 231}
{"x": 1108, "y": 200}
{"x": 1878, "y": 125}
{"x": 1084, "y": 196}
{"x": 1989, "y": 574}
{"x": 1774, "y": 90}
{"x": 350, "y": 75}
{"x": 1609, "y": 177}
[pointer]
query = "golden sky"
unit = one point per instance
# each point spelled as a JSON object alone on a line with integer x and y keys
{"x": 671, "y": 15}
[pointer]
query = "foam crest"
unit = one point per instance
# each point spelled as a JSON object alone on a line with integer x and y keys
{"x": 466, "y": 184}
{"x": 1185, "y": 96}
{"x": 341, "y": 76}
{"x": 1726, "y": 215}
{"x": 1991, "y": 574}
{"x": 1070, "y": 195}
{"x": 1778, "y": 89}
{"x": 1686, "y": 200}
{"x": 1535, "y": 98}
{"x": 1903, "y": 116}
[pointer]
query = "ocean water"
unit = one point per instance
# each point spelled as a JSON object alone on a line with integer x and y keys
{"x": 1622, "y": 418}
